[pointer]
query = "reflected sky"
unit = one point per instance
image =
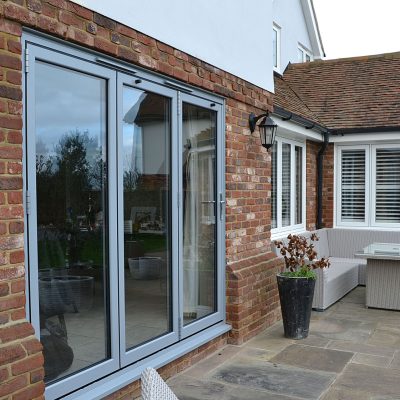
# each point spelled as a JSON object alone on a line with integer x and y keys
{"x": 67, "y": 101}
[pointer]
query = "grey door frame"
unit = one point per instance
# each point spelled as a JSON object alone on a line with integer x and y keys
{"x": 73, "y": 56}
{"x": 219, "y": 314}
{"x": 133, "y": 355}
{"x": 37, "y": 53}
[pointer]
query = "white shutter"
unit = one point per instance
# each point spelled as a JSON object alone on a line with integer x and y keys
{"x": 387, "y": 185}
{"x": 353, "y": 184}
{"x": 286, "y": 184}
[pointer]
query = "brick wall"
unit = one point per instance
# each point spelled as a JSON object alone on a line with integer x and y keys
{"x": 328, "y": 188}
{"x": 21, "y": 360}
{"x": 252, "y": 300}
{"x": 311, "y": 186}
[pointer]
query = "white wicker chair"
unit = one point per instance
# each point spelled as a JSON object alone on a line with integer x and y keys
{"x": 154, "y": 388}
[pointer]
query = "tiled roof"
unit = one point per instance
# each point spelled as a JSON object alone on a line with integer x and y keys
{"x": 348, "y": 93}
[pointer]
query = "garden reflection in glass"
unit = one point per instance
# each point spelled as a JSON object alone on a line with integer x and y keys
{"x": 147, "y": 231}
{"x": 71, "y": 230}
{"x": 199, "y": 212}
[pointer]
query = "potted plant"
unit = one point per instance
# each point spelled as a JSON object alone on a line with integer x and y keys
{"x": 296, "y": 284}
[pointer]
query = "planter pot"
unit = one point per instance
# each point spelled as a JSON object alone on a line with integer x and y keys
{"x": 296, "y": 295}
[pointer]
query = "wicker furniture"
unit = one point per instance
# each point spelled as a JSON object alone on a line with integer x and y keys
{"x": 383, "y": 275}
{"x": 347, "y": 270}
{"x": 154, "y": 388}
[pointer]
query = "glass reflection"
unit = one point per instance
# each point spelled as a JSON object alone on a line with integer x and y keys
{"x": 146, "y": 183}
{"x": 72, "y": 239}
{"x": 199, "y": 211}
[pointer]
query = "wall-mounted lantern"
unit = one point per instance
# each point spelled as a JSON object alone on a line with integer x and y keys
{"x": 267, "y": 129}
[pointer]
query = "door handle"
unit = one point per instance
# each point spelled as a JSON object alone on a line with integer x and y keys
{"x": 222, "y": 203}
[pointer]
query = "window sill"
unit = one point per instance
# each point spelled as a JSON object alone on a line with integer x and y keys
{"x": 282, "y": 233}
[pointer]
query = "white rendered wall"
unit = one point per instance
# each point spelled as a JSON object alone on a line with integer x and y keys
{"x": 288, "y": 15}
{"x": 229, "y": 34}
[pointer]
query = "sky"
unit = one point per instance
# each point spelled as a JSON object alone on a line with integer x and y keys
{"x": 358, "y": 27}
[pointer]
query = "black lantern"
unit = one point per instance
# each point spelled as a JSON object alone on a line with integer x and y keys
{"x": 267, "y": 129}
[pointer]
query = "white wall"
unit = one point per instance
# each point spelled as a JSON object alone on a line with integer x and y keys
{"x": 229, "y": 34}
{"x": 288, "y": 14}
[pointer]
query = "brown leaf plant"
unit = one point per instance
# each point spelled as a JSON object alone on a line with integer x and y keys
{"x": 300, "y": 256}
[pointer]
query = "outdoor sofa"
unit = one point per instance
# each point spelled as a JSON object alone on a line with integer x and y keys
{"x": 345, "y": 272}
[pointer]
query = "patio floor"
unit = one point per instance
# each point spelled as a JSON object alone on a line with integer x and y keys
{"x": 352, "y": 353}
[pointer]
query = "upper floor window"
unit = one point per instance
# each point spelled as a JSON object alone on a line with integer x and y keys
{"x": 368, "y": 185}
{"x": 287, "y": 186}
{"x": 276, "y": 47}
{"x": 304, "y": 55}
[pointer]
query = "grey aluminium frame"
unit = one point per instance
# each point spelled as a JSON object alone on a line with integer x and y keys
{"x": 219, "y": 315}
{"x": 50, "y": 56}
{"x": 137, "y": 353}
{"x": 85, "y": 384}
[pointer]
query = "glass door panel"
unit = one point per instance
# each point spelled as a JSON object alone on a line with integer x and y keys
{"x": 146, "y": 121}
{"x": 199, "y": 202}
{"x": 69, "y": 262}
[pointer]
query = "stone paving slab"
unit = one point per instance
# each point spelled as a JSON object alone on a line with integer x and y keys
{"x": 281, "y": 379}
{"x": 342, "y": 329}
{"x": 369, "y": 359}
{"x": 313, "y": 358}
{"x": 372, "y": 381}
{"x": 355, "y": 347}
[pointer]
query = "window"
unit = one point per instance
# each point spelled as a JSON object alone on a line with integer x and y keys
{"x": 368, "y": 185}
{"x": 304, "y": 55}
{"x": 125, "y": 229}
{"x": 276, "y": 47}
{"x": 287, "y": 186}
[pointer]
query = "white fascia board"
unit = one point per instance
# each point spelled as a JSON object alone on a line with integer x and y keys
{"x": 291, "y": 130}
{"x": 373, "y": 137}
{"x": 312, "y": 27}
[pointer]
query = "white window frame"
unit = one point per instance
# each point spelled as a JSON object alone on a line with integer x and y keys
{"x": 276, "y": 28}
{"x": 280, "y": 230}
{"x": 305, "y": 52}
{"x": 373, "y": 186}
{"x": 370, "y": 186}
{"x": 339, "y": 185}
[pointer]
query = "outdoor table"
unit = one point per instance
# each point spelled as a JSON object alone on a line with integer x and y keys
{"x": 383, "y": 275}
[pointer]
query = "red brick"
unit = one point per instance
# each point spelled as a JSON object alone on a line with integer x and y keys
{"x": 32, "y": 346}
{"x": 3, "y": 375}
{"x": 10, "y": 61}
{"x": 17, "y": 331}
{"x": 10, "y": 122}
{"x": 15, "y": 107}
{"x": 18, "y": 315}
{"x": 51, "y": 26}
{"x": 14, "y": 46}
{"x": 127, "y": 54}
{"x": 79, "y": 10}
{"x": 8, "y": 183}
{"x": 11, "y": 354}
{"x": 20, "y": 14}
{"x": 17, "y": 257}
{"x": 14, "y": 168}
{"x": 80, "y": 37}
{"x": 3, "y": 227}
{"x": 106, "y": 46}
{"x": 4, "y": 289}
{"x": 12, "y": 272}
{"x": 10, "y": 152}
{"x": 37, "y": 375}
{"x": 28, "y": 364}
{"x": 32, "y": 392}
{"x": 34, "y": 5}
{"x": 71, "y": 19}
{"x": 16, "y": 227}
{"x": 104, "y": 21}
{"x": 10, "y": 27}
{"x": 11, "y": 303}
{"x": 13, "y": 385}
{"x": 10, "y": 92}
{"x": 14, "y": 137}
